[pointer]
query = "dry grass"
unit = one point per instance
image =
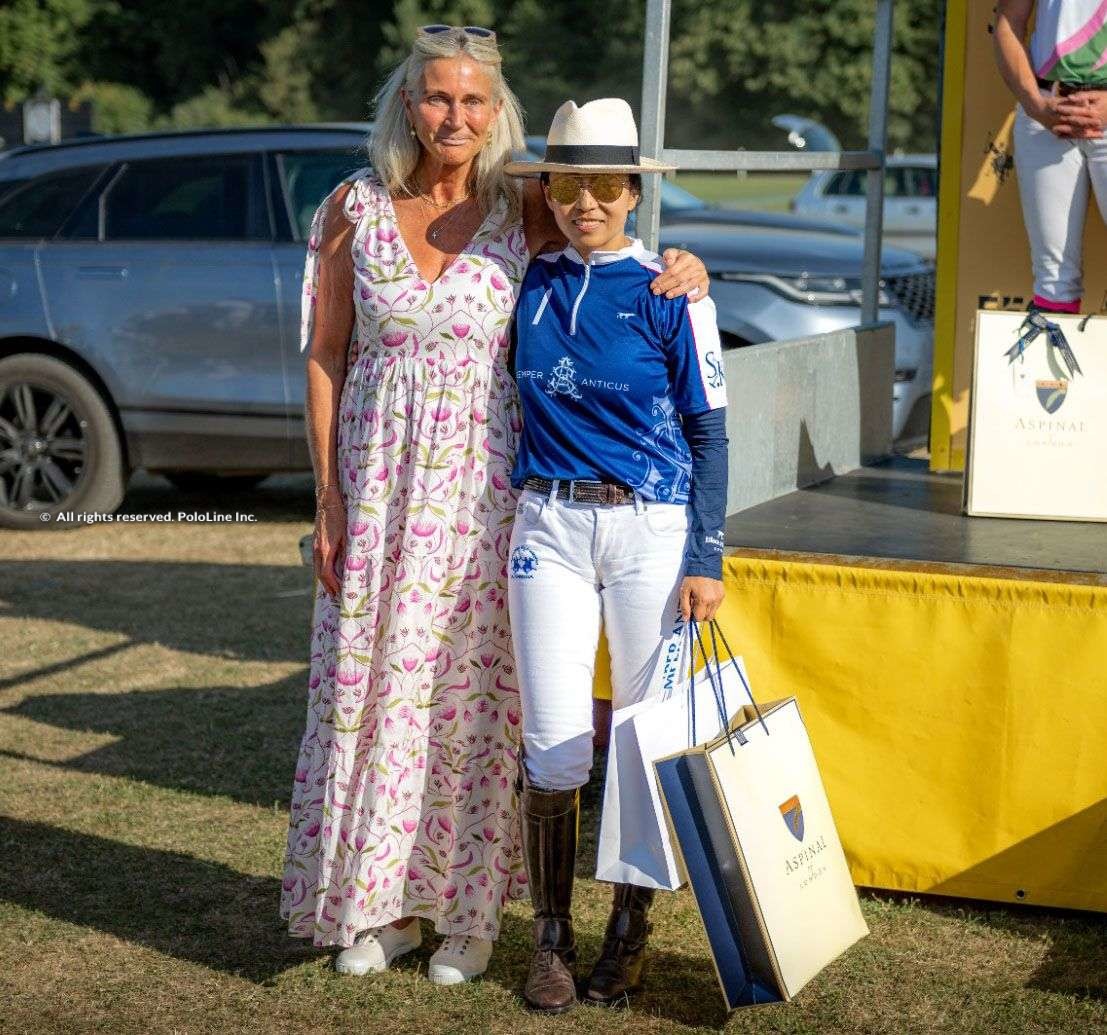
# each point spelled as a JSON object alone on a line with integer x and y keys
{"x": 151, "y": 693}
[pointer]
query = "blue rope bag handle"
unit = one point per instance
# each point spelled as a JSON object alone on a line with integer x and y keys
{"x": 714, "y": 625}
{"x": 715, "y": 678}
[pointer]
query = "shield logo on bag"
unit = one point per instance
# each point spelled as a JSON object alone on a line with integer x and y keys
{"x": 1051, "y": 394}
{"x": 792, "y": 814}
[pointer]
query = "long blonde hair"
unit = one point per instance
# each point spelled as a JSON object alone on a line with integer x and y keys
{"x": 395, "y": 153}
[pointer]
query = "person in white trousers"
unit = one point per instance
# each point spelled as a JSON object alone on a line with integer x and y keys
{"x": 622, "y": 465}
{"x": 1060, "y": 82}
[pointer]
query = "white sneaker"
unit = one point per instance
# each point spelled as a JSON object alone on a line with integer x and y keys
{"x": 376, "y": 948}
{"x": 461, "y": 957}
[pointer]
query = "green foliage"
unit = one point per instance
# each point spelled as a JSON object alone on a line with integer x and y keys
{"x": 116, "y": 108}
{"x": 733, "y": 63}
{"x": 38, "y": 45}
{"x": 215, "y": 106}
{"x": 408, "y": 15}
{"x": 741, "y": 62}
{"x": 578, "y": 49}
{"x": 284, "y": 85}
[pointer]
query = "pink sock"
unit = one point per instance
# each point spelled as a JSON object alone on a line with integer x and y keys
{"x": 1051, "y": 306}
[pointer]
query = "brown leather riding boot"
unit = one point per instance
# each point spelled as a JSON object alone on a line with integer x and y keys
{"x": 550, "y": 846}
{"x": 618, "y": 971}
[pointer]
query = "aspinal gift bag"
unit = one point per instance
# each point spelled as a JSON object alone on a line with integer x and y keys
{"x": 1038, "y": 420}
{"x": 756, "y": 836}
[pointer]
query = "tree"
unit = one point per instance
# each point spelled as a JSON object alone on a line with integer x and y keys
{"x": 409, "y": 15}
{"x": 746, "y": 60}
{"x": 578, "y": 49}
{"x": 39, "y": 41}
{"x": 116, "y": 108}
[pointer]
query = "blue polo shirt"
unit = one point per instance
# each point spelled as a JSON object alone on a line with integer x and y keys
{"x": 606, "y": 369}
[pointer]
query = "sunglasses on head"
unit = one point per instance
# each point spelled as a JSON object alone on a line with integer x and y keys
{"x": 565, "y": 188}
{"x": 477, "y": 31}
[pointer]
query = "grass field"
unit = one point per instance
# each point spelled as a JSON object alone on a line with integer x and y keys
{"x": 152, "y": 688}
{"x": 768, "y": 192}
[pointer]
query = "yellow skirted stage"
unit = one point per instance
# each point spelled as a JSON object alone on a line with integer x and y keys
{"x": 958, "y": 712}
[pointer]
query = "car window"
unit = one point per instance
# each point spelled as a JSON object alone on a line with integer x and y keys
{"x": 855, "y": 183}
{"x": 212, "y": 198}
{"x": 895, "y": 183}
{"x": 39, "y": 206}
{"x": 7, "y": 186}
{"x": 308, "y": 177}
{"x": 838, "y": 184}
{"x": 920, "y": 181}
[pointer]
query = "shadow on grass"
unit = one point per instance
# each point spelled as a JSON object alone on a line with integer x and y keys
{"x": 193, "y": 910}
{"x": 237, "y": 742}
{"x": 206, "y": 913}
{"x": 218, "y": 610}
{"x": 1075, "y": 962}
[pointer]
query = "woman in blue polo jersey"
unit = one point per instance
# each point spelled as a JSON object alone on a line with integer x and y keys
{"x": 623, "y": 468}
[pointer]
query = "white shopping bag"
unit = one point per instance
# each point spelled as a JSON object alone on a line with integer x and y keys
{"x": 634, "y": 842}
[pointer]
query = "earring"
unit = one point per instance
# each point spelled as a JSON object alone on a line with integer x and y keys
{"x": 411, "y": 132}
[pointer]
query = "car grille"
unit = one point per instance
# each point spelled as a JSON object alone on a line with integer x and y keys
{"x": 915, "y": 292}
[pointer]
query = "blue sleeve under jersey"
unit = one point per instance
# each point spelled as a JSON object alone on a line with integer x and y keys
{"x": 705, "y": 434}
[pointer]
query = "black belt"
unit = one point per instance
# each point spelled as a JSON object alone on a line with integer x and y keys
{"x": 611, "y": 493}
{"x": 1064, "y": 89}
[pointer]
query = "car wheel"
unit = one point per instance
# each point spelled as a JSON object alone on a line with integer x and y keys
{"x": 59, "y": 448}
{"x": 204, "y": 481}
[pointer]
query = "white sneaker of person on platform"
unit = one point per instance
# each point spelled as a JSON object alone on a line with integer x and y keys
{"x": 459, "y": 958}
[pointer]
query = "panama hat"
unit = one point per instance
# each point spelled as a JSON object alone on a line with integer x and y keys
{"x": 599, "y": 136}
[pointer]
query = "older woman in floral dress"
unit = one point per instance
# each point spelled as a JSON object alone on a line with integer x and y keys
{"x": 404, "y": 802}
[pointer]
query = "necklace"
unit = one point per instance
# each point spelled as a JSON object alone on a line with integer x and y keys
{"x": 428, "y": 200}
{"x": 436, "y": 232}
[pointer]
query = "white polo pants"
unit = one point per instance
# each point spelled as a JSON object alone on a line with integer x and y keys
{"x": 1054, "y": 176}
{"x": 572, "y": 567}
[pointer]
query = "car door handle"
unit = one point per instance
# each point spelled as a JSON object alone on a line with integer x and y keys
{"x": 913, "y": 210}
{"x": 841, "y": 208}
{"x": 102, "y": 272}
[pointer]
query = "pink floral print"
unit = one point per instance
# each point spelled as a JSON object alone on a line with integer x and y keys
{"x": 403, "y": 801}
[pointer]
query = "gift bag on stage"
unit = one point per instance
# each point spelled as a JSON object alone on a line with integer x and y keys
{"x": 756, "y": 836}
{"x": 634, "y": 842}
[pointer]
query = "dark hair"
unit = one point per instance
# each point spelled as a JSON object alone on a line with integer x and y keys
{"x": 635, "y": 182}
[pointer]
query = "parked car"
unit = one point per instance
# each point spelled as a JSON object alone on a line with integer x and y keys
{"x": 150, "y": 306}
{"x": 910, "y": 200}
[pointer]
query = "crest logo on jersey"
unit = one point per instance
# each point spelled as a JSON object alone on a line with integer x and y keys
{"x": 792, "y": 813}
{"x": 623, "y": 316}
{"x": 563, "y": 380}
{"x": 1051, "y": 394}
{"x": 523, "y": 563}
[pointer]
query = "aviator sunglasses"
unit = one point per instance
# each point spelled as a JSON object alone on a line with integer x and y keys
{"x": 477, "y": 31}
{"x": 565, "y": 188}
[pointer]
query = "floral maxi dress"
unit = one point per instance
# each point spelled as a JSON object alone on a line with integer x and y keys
{"x": 404, "y": 800}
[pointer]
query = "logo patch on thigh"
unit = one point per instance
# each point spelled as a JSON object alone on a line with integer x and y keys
{"x": 523, "y": 563}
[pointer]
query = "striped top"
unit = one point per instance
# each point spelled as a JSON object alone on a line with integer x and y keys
{"x": 1069, "y": 43}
